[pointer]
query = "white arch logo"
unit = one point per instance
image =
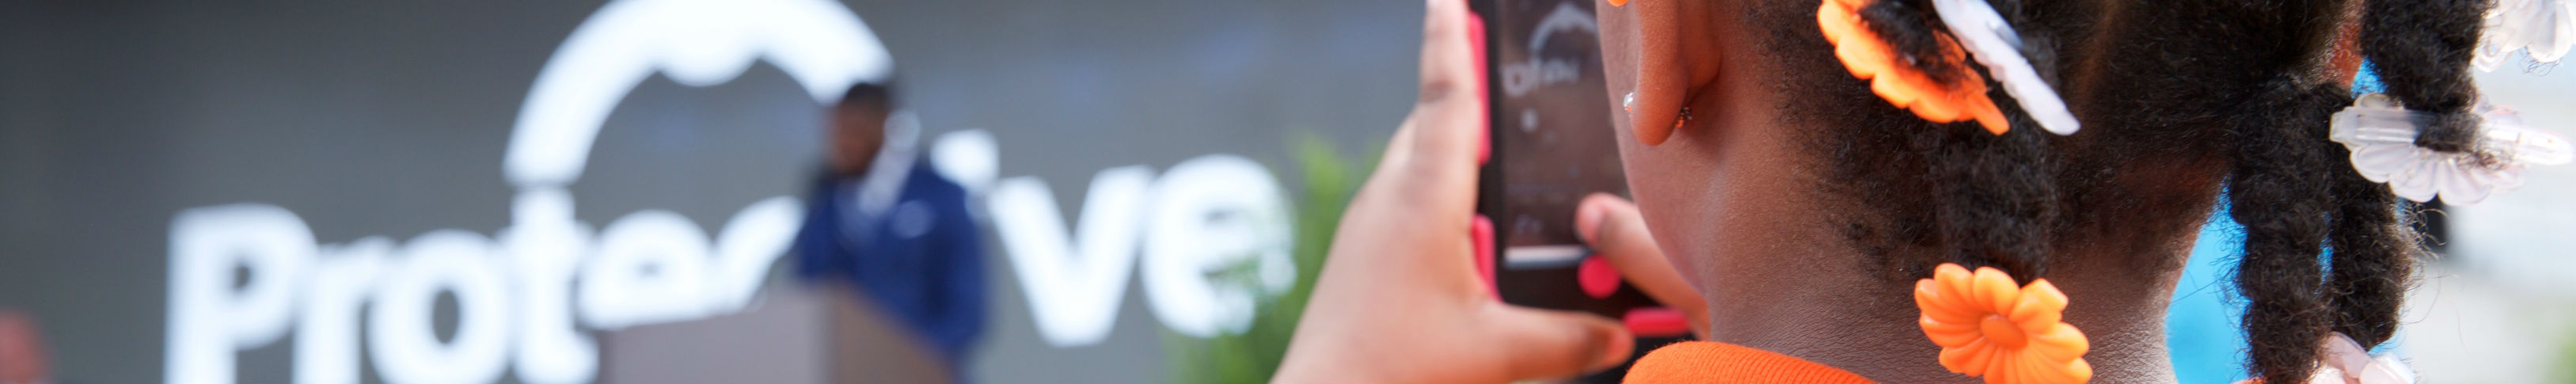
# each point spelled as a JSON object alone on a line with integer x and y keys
{"x": 697, "y": 43}
{"x": 513, "y": 290}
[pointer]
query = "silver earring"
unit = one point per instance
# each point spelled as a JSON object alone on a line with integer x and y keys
{"x": 1629, "y": 103}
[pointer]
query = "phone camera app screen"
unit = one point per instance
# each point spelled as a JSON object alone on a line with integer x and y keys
{"x": 1552, "y": 128}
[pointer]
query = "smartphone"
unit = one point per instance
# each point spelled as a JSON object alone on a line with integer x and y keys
{"x": 1553, "y": 144}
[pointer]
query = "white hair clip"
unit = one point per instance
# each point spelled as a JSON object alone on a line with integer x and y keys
{"x": 2381, "y": 135}
{"x": 2544, "y": 28}
{"x": 2342, "y": 361}
{"x": 1994, "y": 43}
{"x": 2345, "y": 362}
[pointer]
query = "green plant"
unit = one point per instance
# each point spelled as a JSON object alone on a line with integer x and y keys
{"x": 1251, "y": 357}
{"x": 2564, "y": 371}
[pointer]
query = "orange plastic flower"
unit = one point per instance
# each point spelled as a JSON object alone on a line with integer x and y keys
{"x": 2008, "y": 335}
{"x": 1869, "y": 58}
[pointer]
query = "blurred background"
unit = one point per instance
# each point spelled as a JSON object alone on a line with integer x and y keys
{"x": 280, "y": 191}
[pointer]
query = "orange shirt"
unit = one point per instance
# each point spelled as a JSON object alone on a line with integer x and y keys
{"x": 1712, "y": 362}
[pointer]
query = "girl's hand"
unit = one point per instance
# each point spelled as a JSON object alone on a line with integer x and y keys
{"x": 1400, "y": 299}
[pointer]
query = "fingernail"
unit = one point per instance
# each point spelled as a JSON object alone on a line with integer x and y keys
{"x": 1597, "y": 277}
{"x": 1615, "y": 352}
{"x": 1587, "y": 221}
{"x": 1656, "y": 322}
{"x": 1481, "y": 232}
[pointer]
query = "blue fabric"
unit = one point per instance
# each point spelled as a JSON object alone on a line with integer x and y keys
{"x": 921, "y": 260}
{"x": 2367, "y": 80}
{"x": 2202, "y": 324}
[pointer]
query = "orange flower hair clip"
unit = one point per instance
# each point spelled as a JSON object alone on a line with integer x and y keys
{"x": 1870, "y": 58}
{"x": 1987, "y": 327}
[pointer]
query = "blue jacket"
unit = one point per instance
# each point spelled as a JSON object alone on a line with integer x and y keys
{"x": 917, "y": 253}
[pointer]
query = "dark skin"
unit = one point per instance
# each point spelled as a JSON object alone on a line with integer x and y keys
{"x": 857, "y": 133}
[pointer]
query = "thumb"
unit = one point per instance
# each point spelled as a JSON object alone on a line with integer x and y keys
{"x": 1613, "y": 227}
{"x": 1548, "y": 344}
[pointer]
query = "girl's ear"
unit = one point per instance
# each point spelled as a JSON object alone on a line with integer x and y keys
{"x": 1672, "y": 61}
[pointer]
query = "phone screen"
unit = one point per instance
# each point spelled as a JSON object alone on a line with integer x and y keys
{"x": 1551, "y": 125}
{"x": 1553, "y": 144}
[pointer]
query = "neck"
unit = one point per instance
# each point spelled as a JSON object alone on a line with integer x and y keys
{"x": 1867, "y": 326}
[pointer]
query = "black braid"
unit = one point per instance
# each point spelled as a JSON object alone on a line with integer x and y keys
{"x": 2003, "y": 183}
{"x": 2279, "y": 187}
{"x": 2375, "y": 249}
{"x": 2421, "y": 49}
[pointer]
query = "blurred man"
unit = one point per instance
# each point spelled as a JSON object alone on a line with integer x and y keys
{"x": 883, "y": 220}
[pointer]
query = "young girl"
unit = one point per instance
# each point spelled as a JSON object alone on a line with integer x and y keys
{"x": 1928, "y": 191}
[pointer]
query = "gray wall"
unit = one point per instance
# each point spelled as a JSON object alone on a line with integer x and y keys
{"x": 390, "y": 118}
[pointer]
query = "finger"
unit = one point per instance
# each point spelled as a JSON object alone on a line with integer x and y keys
{"x": 1615, "y": 231}
{"x": 1448, "y": 121}
{"x": 1541, "y": 344}
{"x": 1426, "y": 180}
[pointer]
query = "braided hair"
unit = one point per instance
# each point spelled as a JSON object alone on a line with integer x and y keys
{"x": 2183, "y": 100}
